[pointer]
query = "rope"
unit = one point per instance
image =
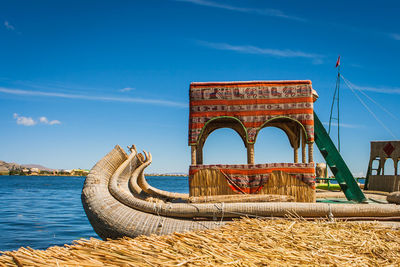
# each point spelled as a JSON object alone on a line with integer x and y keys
{"x": 371, "y": 99}
{"x": 220, "y": 210}
{"x": 330, "y": 215}
{"x": 368, "y": 109}
{"x": 157, "y": 208}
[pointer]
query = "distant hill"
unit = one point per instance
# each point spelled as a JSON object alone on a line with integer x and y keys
{"x": 40, "y": 167}
{"x": 5, "y": 166}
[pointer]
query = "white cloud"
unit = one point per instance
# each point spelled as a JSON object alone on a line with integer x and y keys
{"x": 344, "y": 125}
{"x": 29, "y": 121}
{"x": 260, "y": 11}
{"x": 44, "y": 120}
{"x": 9, "y": 26}
{"x": 26, "y": 121}
{"x": 93, "y": 97}
{"x": 383, "y": 90}
{"x": 127, "y": 89}
{"x": 250, "y": 49}
{"x": 53, "y": 122}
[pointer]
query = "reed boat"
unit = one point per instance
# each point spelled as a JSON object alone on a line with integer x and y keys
{"x": 120, "y": 202}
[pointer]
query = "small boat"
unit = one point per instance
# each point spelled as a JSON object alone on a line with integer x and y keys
{"x": 119, "y": 201}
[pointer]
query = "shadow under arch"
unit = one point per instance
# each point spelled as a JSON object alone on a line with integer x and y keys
{"x": 218, "y": 123}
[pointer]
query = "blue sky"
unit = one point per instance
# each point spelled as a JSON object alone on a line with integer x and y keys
{"x": 78, "y": 77}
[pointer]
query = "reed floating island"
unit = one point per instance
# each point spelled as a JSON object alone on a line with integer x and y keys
{"x": 246, "y": 242}
{"x": 120, "y": 202}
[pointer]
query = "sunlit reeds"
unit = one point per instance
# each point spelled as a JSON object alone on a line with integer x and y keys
{"x": 248, "y": 242}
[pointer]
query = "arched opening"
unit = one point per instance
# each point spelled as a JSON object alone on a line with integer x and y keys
{"x": 284, "y": 147}
{"x": 233, "y": 124}
{"x": 272, "y": 146}
{"x": 398, "y": 167}
{"x": 375, "y": 166}
{"x": 388, "y": 168}
{"x": 224, "y": 146}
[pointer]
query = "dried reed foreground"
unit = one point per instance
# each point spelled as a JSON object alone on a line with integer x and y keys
{"x": 248, "y": 242}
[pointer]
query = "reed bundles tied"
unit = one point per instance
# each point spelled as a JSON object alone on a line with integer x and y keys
{"x": 246, "y": 242}
{"x": 212, "y": 182}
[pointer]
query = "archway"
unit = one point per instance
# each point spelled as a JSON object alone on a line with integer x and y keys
{"x": 224, "y": 146}
{"x": 296, "y": 137}
{"x": 215, "y": 124}
{"x": 388, "y": 168}
{"x": 272, "y": 146}
{"x": 375, "y": 166}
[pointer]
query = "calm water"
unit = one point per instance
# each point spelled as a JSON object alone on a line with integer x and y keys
{"x": 43, "y": 211}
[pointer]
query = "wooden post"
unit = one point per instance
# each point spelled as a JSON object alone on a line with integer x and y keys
{"x": 250, "y": 153}
{"x": 296, "y": 154}
{"x": 310, "y": 152}
{"x": 194, "y": 155}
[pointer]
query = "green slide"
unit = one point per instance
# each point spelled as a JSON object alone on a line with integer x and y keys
{"x": 336, "y": 163}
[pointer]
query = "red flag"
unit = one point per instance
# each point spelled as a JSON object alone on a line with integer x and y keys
{"x": 338, "y": 62}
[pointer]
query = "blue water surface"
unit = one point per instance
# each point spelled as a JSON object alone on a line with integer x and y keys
{"x": 43, "y": 211}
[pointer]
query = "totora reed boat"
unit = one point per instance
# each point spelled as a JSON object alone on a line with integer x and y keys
{"x": 119, "y": 201}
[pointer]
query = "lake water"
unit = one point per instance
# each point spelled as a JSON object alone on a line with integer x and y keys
{"x": 43, "y": 211}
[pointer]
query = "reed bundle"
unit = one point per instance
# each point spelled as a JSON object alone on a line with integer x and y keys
{"x": 241, "y": 198}
{"x": 282, "y": 183}
{"x": 247, "y": 242}
{"x": 211, "y": 182}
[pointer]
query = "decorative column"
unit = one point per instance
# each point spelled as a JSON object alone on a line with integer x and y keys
{"x": 303, "y": 149}
{"x": 194, "y": 155}
{"x": 250, "y": 153}
{"x": 199, "y": 155}
{"x": 296, "y": 154}
{"x": 310, "y": 152}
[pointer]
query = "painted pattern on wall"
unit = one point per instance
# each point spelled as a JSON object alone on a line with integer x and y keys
{"x": 253, "y": 103}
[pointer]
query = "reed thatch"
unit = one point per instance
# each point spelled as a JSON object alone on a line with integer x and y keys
{"x": 211, "y": 182}
{"x": 281, "y": 183}
{"x": 248, "y": 242}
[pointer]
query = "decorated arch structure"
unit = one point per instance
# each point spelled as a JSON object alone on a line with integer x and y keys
{"x": 248, "y": 107}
